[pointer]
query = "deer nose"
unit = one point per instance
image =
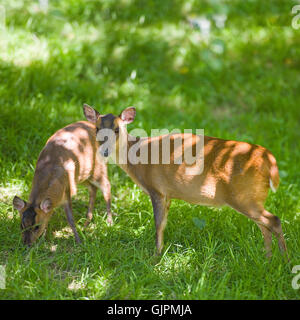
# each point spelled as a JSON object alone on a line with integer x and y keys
{"x": 105, "y": 153}
{"x": 27, "y": 239}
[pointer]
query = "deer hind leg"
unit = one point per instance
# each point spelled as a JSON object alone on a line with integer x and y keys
{"x": 93, "y": 194}
{"x": 267, "y": 222}
{"x": 274, "y": 224}
{"x": 161, "y": 205}
{"x": 267, "y": 234}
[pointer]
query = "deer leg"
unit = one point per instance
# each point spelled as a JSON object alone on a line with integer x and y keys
{"x": 274, "y": 224}
{"x": 105, "y": 188}
{"x": 104, "y": 185}
{"x": 161, "y": 206}
{"x": 268, "y": 224}
{"x": 93, "y": 194}
{"x": 267, "y": 234}
{"x": 70, "y": 218}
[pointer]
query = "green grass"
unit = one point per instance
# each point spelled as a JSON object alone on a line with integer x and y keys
{"x": 242, "y": 83}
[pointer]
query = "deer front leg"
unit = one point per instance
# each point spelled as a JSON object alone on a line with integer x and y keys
{"x": 161, "y": 206}
{"x": 69, "y": 214}
{"x": 105, "y": 187}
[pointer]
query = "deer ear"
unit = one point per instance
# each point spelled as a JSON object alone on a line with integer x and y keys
{"x": 90, "y": 113}
{"x": 18, "y": 203}
{"x": 46, "y": 205}
{"x": 128, "y": 115}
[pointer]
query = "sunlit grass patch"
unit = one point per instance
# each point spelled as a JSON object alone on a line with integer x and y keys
{"x": 11, "y": 188}
{"x": 23, "y": 48}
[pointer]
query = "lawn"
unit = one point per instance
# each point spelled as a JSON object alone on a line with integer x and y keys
{"x": 238, "y": 80}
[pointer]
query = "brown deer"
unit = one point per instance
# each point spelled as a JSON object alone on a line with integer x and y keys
{"x": 236, "y": 174}
{"x": 68, "y": 158}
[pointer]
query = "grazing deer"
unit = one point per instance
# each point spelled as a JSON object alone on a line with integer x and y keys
{"x": 236, "y": 174}
{"x": 68, "y": 158}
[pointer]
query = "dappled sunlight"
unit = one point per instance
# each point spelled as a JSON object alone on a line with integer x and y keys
{"x": 12, "y": 188}
{"x": 230, "y": 67}
{"x": 259, "y": 35}
{"x": 76, "y": 285}
{"x": 101, "y": 284}
{"x": 75, "y": 33}
{"x": 53, "y": 248}
{"x": 119, "y": 52}
{"x": 64, "y": 233}
{"x": 297, "y": 216}
{"x": 92, "y": 226}
{"x": 129, "y": 196}
{"x": 22, "y": 48}
{"x": 173, "y": 263}
{"x": 40, "y": 7}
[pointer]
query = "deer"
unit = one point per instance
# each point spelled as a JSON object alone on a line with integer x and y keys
{"x": 234, "y": 173}
{"x": 68, "y": 158}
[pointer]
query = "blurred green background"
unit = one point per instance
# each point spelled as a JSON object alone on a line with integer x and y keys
{"x": 230, "y": 67}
